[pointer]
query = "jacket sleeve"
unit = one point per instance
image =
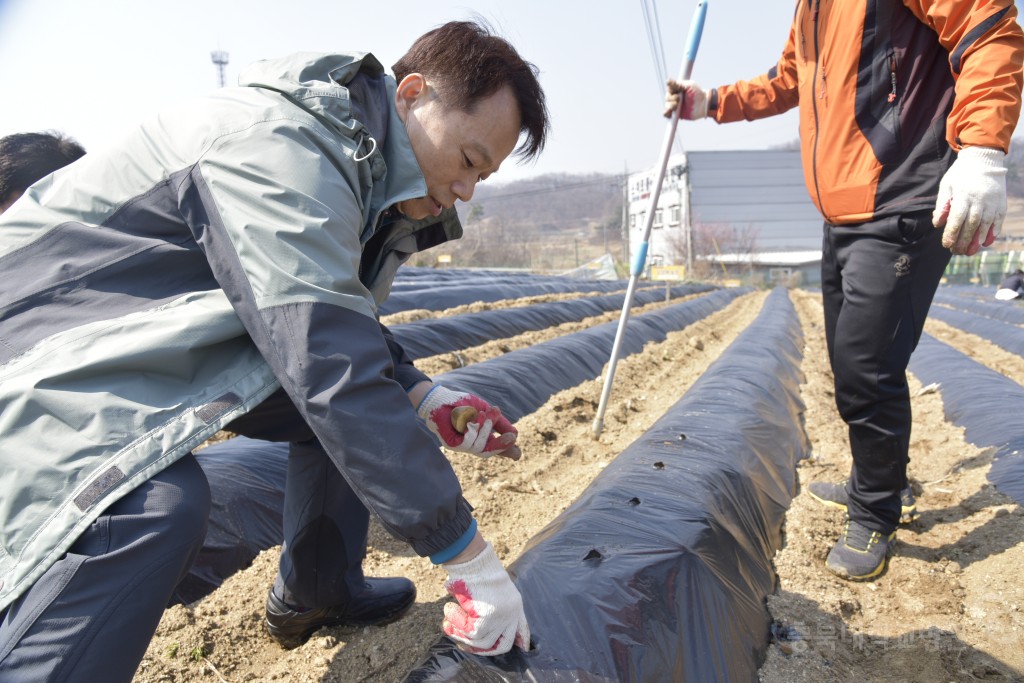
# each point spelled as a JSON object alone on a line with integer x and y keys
{"x": 986, "y": 48}
{"x": 405, "y": 372}
{"x": 769, "y": 94}
{"x": 277, "y": 210}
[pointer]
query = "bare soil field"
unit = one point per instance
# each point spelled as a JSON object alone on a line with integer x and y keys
{"x": 947, "y": 609}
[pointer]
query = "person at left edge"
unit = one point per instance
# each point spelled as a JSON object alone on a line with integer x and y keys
{"x": 27, "y": 157}
{"x": 221, "y": 267}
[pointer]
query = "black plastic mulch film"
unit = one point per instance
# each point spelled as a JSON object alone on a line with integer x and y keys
{"x": 431, "y": 336}
{"x": 247, "y": 477}
{"x": 982, "y": 401}
{"x": 1004, "y": 335}
{"x": 523, "y": 380}
{"x": 981, "y": 301}
{"x": 439, "y": 290}
{"x": 659, "y": 572}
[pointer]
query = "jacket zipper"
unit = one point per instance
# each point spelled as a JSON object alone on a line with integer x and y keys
{"x": 814, "y": 103}
{"x": 892, "y": 76}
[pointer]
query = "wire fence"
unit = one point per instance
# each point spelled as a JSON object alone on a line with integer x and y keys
{"x": 985, "y": 268}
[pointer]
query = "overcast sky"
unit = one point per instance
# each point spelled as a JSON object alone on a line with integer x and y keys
{"x": 92, "y": 68}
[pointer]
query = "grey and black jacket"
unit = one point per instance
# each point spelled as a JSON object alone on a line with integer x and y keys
{"x": 156, "y": 290}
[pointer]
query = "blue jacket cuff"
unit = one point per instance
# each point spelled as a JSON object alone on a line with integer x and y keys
{"x": 455, "y": 548}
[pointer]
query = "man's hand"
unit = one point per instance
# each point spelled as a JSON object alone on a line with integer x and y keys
{"x": 445, "y": 412}
{"x": 972, "y": 200}
{"x": 488, "y": 617}
{"x": 694, "y": 100}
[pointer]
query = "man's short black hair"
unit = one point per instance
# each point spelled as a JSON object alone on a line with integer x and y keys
{"x": 468, "y": 63}
{"x": 27, "y": 157}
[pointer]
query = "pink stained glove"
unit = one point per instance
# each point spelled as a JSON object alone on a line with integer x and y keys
{"x": 488, "y": 617}
{"x": 694, "y": 100}
{"x": 972, "y": 200}
{"x": 438, "y": 410}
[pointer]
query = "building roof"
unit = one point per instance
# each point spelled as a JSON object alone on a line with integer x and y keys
{"x": 759, "y": 190}
{"x": 771, "y": 258}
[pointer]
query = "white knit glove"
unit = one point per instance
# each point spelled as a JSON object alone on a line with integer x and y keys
{"x": 467, "y": 423}
{"x": 488, "y": 617}
{"x": 972, "y": 200}
{"x": 694, "y": 98}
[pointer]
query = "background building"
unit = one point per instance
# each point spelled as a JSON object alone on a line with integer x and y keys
{"x": 738, "y": 214}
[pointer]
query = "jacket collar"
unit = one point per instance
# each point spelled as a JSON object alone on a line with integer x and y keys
{"x": 352, "y": 93}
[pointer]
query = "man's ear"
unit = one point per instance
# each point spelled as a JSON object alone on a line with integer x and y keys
{"x": 410, "y": 89}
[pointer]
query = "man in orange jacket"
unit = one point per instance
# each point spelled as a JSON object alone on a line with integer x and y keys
{"x": 906, "y": 114}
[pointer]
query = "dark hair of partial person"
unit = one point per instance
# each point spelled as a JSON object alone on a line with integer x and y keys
{"x": 466, "y": 63}
{"x": 27, "y": 157}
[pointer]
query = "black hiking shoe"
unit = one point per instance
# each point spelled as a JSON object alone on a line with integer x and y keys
{"x": 382, "y": 602}
{"x": 860, "y": 553}
{"x": 835, "y": 495}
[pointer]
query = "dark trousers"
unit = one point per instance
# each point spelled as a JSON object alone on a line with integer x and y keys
{"x": 91, "y": 615}
{"x": 325, "y": 523}
{"x": 877, "y": 280}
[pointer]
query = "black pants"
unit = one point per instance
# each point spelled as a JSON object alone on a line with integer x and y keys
{"x": 325, "y": 523}
{"x": 91, "y": 615}
{"x": 877, "y": 280}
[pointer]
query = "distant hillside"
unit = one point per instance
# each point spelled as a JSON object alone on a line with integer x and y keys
{"x": 551, "y": 222}
{"x": 558, "y": 221}
{"x": 551, "y": 202}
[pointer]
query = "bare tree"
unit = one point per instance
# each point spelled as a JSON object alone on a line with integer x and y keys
{"x": 792, "y": 145}
{"x": 714, "y": 239}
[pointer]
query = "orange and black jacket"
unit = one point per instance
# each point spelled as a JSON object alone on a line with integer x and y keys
{"x": 888, "y": 91}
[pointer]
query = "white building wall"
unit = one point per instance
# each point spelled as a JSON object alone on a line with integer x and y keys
{"x": 668, "y": 234}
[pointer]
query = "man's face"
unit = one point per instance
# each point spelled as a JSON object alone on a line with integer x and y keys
{"x": 455, "y": 150}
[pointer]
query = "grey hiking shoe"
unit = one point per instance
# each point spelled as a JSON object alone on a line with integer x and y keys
{"x": 860, "y": 553}
{"x": 835, "y": 495}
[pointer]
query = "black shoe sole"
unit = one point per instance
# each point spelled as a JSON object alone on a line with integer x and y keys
{"x": 289, "y": 640}
{"x": 826, "y": 501}
{"x": 878, "y": 571}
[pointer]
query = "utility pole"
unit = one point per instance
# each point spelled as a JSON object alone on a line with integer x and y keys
{"x": 220, "y": 60}
{"x": 688, "y": 222}
{"x": 625, "y": 214}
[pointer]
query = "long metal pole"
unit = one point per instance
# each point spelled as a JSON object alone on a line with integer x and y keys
{"x": 640, "y": 259}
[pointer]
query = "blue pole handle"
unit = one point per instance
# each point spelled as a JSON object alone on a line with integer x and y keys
{"x": 696, "y": 28}
{"x": 640, "y": 259}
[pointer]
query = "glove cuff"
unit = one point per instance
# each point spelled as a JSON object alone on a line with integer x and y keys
{"x": 984, "y": 156}
{"x": 486, "y": 563}
{"x": 438, "y": 396}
